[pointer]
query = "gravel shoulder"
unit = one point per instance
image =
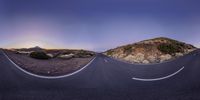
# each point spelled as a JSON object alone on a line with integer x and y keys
{"x": 50, "y": 67}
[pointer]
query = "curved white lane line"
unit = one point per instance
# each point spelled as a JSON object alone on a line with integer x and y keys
{"x": 47, "y": 77}
{"x": 161, "y": 78}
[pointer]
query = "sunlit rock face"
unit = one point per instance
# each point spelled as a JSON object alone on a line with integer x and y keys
{"x": 165, "y": 57}
{"x": 151, "y": 51}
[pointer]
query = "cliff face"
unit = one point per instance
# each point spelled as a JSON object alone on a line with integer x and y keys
{"x": 151, "y": 51}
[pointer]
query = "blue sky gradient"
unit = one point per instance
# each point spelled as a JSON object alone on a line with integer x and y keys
{"x": 96, "y": 24}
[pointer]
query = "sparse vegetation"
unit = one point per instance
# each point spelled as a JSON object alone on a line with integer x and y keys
{"x": 83, "y": 54}
{"x": 128, "y": 48}
{"x": 39, "y": 55}
{"x": 110, "y": 52}
{"x": 170, "y": 48}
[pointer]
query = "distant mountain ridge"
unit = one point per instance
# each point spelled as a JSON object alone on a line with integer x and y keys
{"x": 36, "y": 48}
{"x": 151, "y": 51}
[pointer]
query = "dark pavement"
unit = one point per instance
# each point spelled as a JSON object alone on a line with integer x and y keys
{"x": 107, "y": 79}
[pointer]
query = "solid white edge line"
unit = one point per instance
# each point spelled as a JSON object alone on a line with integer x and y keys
{"x": 47, "y": 77}
{"x": 157, "y": 79}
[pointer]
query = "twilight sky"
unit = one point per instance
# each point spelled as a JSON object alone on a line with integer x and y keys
{"x": 96, "y": 24}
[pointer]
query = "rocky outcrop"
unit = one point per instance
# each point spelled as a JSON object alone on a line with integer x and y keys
{"x": 151, "y": 51}
{"x": 165, "y": 57}
{"x": 66, "y": 56}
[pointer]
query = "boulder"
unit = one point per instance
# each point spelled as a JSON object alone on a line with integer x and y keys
{"x": 139, "y": 57}
{"x": 50, "y": 55}
{"x": 178, "y": 54}
{"x": 129, "y": 58}
{"x": 165, "y": 57}
{"x": 152, "y": 58}
{"x": 66, "y": 56}
{"x": 145, "y": 62}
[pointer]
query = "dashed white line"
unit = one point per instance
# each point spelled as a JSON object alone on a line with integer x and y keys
{"x": 157, "y": 79}
{"x": 47, "y": 77}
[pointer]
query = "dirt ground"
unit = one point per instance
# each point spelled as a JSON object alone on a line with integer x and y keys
{"x": 51, "y": 67}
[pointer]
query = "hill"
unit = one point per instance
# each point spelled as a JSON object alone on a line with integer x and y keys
{"x": 36, "y": 48}
{"x": 151, "y": 51}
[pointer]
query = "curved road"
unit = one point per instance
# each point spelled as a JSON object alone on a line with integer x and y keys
{"x": 107, "y": 79}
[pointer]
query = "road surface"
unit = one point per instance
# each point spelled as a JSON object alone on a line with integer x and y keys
{"x": 107, "y": 79}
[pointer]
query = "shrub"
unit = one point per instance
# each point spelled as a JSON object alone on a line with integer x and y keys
{"x": 39, "y": 55}
{"x": 128, "y": 48}
{"x": 169, "y": 48}
{"x": 84, "y": 54}
{"x": 110, "y": 52}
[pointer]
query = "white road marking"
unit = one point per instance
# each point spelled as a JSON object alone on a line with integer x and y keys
{"x": 157, "y": 79}
{"x": 47, "y": 77}
{"x": 105, "y": 60}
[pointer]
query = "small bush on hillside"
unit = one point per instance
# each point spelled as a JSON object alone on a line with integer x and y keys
{"x": 128, "y": 48}
{"x": 83, "y": 54}
{"x": 169, "y": 48}
{"x": 39, "y": 55}
{"x": 110, "y": 52}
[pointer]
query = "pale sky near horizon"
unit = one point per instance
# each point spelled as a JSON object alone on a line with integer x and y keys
{"x": 96, "y": 24}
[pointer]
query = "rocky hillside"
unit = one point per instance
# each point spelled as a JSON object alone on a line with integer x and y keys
{"x": 151, "y": 51}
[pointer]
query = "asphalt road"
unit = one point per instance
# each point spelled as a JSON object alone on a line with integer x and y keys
{"x": 107, "y": 79}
